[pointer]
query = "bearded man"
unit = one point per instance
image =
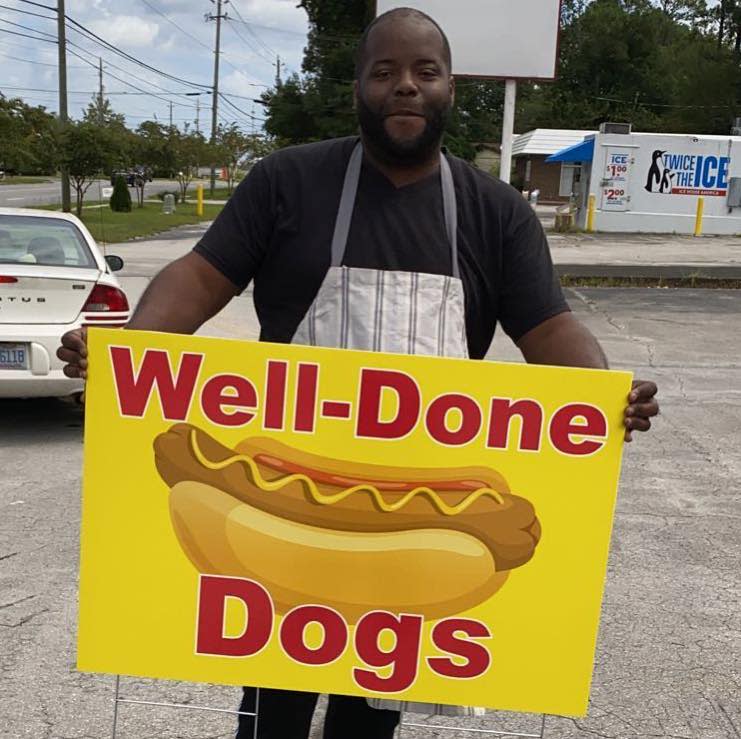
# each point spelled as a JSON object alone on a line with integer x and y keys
{"x": 380, "y": 242}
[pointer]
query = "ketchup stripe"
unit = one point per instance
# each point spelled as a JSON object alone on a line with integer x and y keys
{"x": 323, "y": 499}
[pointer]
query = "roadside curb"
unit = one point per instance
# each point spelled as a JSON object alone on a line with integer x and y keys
{"x": 651, "y": 271}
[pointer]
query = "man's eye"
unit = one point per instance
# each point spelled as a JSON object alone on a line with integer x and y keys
{"x": 381, "y": 73}
{"x": 429, "y": 73}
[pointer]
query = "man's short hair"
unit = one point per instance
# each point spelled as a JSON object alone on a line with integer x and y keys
{"x": 388, "y": 16}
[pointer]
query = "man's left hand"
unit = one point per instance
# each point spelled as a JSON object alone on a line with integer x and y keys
{"x": 642, "y": 407}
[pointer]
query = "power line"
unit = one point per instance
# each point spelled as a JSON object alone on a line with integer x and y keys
{"x": 28, "y": 28}
{"x": 25, "y": 35}
{"x": 125, "y": 82}
{"x": 270, "y": 51}
{"x": 106, "y": 44}
{"x": 39, "y": 5}
{"x": 256, "y": 50}
{"x": 239, "y": 110}
{"x": 180, "y": 28}
{"x": 662, "y": 105}
{"x": 28, "y": 12}
{"x": 120, "y": 69}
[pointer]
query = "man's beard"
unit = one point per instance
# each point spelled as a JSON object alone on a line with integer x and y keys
{"x": 405, "y": 153}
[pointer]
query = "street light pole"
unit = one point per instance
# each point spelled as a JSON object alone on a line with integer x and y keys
{"x": 62, "y": 49}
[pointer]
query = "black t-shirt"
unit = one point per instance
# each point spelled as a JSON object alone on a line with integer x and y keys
{"x": 277, "y": 230}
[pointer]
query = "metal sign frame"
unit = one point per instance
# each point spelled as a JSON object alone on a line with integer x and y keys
{"x": 398, "y": 733}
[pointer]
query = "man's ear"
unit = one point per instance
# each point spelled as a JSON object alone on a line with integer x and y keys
{"x": 355, "y": 93}
{"x": 452, "y": 90}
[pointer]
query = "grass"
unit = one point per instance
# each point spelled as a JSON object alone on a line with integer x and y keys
{"x": 107, "y": 226}
{"x": 220, "y": 193}
{"x": 660, "y": 282}
{"x": 10, "y": 180}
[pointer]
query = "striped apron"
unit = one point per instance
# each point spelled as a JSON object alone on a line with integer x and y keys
{"x": 387, "y": 311}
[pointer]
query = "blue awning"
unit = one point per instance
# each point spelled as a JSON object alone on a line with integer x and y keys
{"x": 581, "y": 152}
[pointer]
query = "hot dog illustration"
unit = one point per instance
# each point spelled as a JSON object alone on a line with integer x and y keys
{"x": 351, "y": 536}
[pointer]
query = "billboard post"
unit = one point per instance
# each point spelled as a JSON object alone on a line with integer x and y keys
{"x": 508, "y": 130}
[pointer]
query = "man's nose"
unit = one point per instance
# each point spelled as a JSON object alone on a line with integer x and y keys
{"x": 406, "y": 84}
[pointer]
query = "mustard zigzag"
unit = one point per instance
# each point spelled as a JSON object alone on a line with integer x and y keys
{"x": 322, "y": 499}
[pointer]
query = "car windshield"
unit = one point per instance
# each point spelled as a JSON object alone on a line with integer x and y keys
{"x": 52, "y": 242}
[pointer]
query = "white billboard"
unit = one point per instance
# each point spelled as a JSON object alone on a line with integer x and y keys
{"x": 509, "y": 39}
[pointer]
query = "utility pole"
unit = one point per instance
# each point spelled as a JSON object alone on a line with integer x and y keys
{"x": 100, "y": 90}
{"x": 215, "y": 95}
{"x": 170, "y": 113}
{"x": 278, "y": 80}
{"x": 198, "y": 114}
{"x": 62, "y": 49}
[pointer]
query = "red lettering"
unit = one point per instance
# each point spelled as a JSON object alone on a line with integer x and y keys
{"x": 564, "y": 426}
{"x": 275, "y": 395}
{"x": 476, "y": 656}
{"x": 215, "y": 398}
{"x": 372, "y": 384}
{"x": 212, "y": 597}
{"x": 293, "y": 628}
{"x": 403, "y": 657}
{"x": 437, "y": 414}
{"x": 306, "y": 392}
{"x": 531, "y": 423}
{"x": 135, "y": 389}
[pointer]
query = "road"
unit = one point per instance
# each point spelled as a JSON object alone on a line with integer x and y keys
{"x": 43, "y": 193}
{"x": 667, "y": 660}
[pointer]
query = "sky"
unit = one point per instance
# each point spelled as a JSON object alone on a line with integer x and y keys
{"x": 170, "y": 36}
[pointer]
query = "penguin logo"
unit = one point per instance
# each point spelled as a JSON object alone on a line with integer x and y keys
{"x": 657, "y": 173}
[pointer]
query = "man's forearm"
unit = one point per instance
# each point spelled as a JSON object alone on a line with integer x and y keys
{"x": 182, "y": 297}
{"x": 563, "y": 341}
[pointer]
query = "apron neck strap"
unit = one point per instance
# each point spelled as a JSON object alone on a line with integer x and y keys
{"x": 347, "y": 206}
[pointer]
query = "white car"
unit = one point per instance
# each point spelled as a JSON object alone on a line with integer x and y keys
{"x": 53, "y": 278}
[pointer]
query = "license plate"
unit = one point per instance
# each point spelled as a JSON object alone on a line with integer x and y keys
{"x": 13, "y": 356}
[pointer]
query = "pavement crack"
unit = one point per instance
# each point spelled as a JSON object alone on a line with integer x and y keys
{"x": 25, "y": 619}
{"x": 733, "y": 726}
{"x": 8, "y": 556}
{"x": 16, "y": 602}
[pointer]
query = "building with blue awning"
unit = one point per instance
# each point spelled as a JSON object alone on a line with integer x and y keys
{"x": 581, "y": 152}
{"x": 531, "y": 151}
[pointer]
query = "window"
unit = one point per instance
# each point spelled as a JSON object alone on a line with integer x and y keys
{"x": 52, "y": 242}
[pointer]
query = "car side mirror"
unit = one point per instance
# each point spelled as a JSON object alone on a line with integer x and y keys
{"x": 114, "y": 263}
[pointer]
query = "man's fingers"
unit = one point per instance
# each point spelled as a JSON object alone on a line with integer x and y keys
{"x": 642, "y": 391}
{"x": 76, "y": 341}
{"x": 75, "y": 372}
{"x": 70, "y": 356}
{"x": 637, "y": 424}
{"x": 643, "y": 410}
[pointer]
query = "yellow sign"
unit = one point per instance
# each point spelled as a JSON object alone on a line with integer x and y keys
{"x": 417, "y": 528}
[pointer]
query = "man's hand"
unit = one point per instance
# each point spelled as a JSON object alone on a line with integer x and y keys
{"x": 642, "y": 407}
{"x": 74, "y": 353}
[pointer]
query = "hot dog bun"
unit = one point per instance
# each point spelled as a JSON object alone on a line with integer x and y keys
{"x": 326, "y": 531}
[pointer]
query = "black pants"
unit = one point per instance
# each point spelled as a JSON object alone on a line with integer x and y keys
{"x": 287, "y": 715}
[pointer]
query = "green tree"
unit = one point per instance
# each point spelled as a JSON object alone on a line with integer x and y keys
{"x": 28, "y": 138}
{"x": 100, "y": 112}
{"x": 188, "y": 151}
{"x": 640, "y": 62}
{"x": 88, "y": 151}
{"x": 120, "y": 201}
{"x": 237, "y": 150}
{"x": 152, "y": 148}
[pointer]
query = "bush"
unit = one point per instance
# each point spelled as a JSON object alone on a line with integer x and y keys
{"x": 174, "y": 193}
{"x": 121, "y": 199}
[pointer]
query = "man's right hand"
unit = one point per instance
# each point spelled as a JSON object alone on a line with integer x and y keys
{"x": 73, "y": 353}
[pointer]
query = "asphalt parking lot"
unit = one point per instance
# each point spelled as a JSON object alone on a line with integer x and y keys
{"x": 668, "y": 662}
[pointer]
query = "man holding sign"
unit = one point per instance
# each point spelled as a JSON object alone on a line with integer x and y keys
{"x": 380, "y": 242}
